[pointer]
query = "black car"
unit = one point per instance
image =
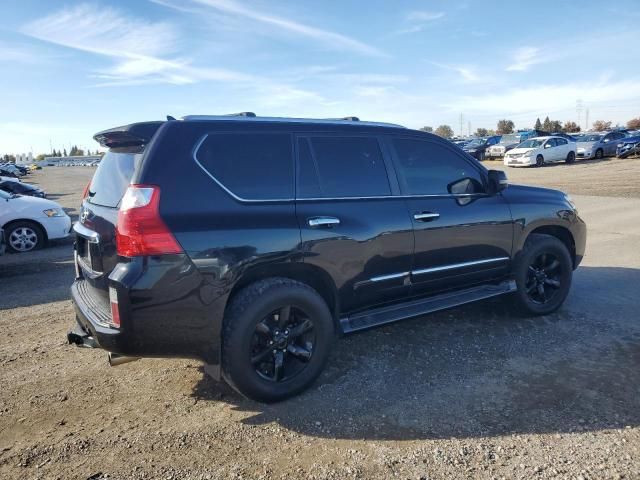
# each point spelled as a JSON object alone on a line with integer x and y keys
{"x": 22, "y": 189}
{"x": 477, "y": 148}
{"x": 279, "y": 233}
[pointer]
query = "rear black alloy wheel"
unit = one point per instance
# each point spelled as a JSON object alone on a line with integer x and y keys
{"x": 571, "y": 157}
{"x": 543, "y": 272}
{"x": 599, "y": 154}
{"x": 282, "y": 344}
{"x": 539, "y": 161}
{"x": 276, "y": 339}
{"x": 543, "y": 278}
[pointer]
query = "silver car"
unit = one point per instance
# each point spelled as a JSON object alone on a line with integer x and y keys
{"x": 598, "y": 145}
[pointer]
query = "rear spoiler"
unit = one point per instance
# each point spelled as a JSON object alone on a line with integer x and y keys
{"x": 133, "y": 135}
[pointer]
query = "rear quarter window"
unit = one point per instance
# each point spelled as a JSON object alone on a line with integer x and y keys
{"x": 252, "y": 166}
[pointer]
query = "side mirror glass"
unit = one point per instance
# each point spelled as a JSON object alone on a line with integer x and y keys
{"x": 497, "y": 181}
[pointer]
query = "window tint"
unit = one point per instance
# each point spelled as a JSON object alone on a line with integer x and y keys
{"x": 561, "y": 141}
{"x": 344, "y": 167}
{"x": 429, "y": 168}
{"x": 308, "y": 183}
{"x": 255, "y": 166}
{"x": 113, "y": 177}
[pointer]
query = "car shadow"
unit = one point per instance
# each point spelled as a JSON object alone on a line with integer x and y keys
{"x": 476, "y": 371}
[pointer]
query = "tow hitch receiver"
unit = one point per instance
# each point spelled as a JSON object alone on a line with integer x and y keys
{"x": 79, "y": 337}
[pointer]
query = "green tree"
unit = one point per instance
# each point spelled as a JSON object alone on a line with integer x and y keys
{"x": 538, "y": 125}
{"x": 570, "y": 127}
{"x": 444, "y": 131}
{"x": 504, "y": 127}
{"x": 546, "y": 125}
{"x": 556, "y": 126}
{"x": 427, "y": 129}
{"x": 634, "y": 124}
{"x": 64, "y": 154}
{"x": 40, "y": 157}
{"x": 481, "y": 132}
{"x": 601, "y": 125}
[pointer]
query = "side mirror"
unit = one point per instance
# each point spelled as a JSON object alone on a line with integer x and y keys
{"x": 547, "y": 145}
{"x": 497, "y": 181}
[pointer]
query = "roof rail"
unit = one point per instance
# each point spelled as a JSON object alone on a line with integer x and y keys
{"x": 250, "y": 116}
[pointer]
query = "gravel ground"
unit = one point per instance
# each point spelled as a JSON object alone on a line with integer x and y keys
{"x": 473, "y": 392}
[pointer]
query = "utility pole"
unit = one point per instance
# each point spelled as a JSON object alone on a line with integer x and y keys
{"x": 469, "y": 130}
{"x": 461, "y": 124}
{"x": 579, "y": 109}
{"x": 586, "y": 122}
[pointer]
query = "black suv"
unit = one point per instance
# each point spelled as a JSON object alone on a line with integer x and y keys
{"x": 249, "y": 242}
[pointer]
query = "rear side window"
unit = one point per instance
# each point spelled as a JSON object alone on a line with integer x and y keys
{"x": 252, "y": 166}
{"x": 429, "y": 168}
{"x": 113, "y": 176}
{"x": 335, "y": 167}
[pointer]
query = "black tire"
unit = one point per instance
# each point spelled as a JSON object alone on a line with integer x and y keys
{"x": 543, "y": 260}
{"x": 24, "y": 236}
{"x": 481, "y": 157}
{"x": 251, "y": 323}
{"x": 599, "y": 154}
{"x": 539, "y": 161}
{"x": 571, "y": 158}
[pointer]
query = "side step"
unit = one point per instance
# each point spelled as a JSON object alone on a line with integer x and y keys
{"x": 415, "y": 308}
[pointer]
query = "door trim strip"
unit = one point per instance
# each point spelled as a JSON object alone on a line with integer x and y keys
{"x": 458, "y": 265}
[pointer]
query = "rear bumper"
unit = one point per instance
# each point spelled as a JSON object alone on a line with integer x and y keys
{"x": 166, "y": 310}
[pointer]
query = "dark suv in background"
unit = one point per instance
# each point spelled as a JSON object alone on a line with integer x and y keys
{"x": 249, "y": 242}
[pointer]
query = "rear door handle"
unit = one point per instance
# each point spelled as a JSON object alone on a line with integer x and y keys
{"x": 316, "y": 222}
{"x": 425, "y": 216}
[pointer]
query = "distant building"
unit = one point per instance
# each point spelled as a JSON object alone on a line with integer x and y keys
{"x": 24, "y": 158}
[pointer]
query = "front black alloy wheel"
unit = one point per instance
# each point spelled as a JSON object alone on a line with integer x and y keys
{"x": 544, "y": 277}
{"x": 282, "y": 344}
{"x": 276, "y": 339}
{"x": 539, "y": 161}
{"x": 543, "y": 272}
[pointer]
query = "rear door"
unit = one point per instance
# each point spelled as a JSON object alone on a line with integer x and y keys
{"x": 463, "y": 235}
{"x": 352, "y": 226}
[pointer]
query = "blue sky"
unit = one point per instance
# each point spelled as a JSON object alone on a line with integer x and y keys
{"x": 73, "y": 68}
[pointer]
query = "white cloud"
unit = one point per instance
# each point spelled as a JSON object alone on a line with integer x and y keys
{"x": 524, "y": 58}
{"x": 422, "y": 16}
{"x": 466, "y": 73}
{"x": 328, "y": 38}
{"x": 547, "y": 98}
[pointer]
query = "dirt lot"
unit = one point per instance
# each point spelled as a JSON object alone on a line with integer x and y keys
{"x": 473, "y": 392}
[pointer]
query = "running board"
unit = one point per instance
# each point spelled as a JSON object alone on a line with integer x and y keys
{"x": 415, "y": 308}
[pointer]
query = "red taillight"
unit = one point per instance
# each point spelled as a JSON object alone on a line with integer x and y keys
{"x": 85, "y": 192}
{"x": 140, "y": 230}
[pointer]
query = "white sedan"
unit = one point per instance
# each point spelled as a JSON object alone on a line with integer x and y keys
{"x": 28, "y": 222}
{"x": 540, "y": 150}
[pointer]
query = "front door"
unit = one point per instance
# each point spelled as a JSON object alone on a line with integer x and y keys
{"x": 463, "y": 236}
{"x": 351, "y": 224}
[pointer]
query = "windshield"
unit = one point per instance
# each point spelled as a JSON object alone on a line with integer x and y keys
{"x": 476, "y": 142}
{"x": 510, "y": 139}
{"x": 533, "y": 143}
{"x": 113, "y": 176}
{"x": 590, "y": 138}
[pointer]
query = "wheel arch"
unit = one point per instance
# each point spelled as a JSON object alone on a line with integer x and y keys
{"x": 35, "y": 222}
{"x": 311, "y": 275}
{"x": 561, "y": 233}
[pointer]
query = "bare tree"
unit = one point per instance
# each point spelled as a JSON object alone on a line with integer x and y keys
{"x": 505, "y": 126}
{"x": 444, "y": 131}
{"x": 601, "y": 125}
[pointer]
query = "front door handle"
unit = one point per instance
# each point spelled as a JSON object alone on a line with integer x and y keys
{"x": 425, "y": 216}
{"x": 316, "y": 222}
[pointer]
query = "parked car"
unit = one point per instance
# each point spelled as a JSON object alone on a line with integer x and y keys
{"x": 598, "y": 145}
{"x": 29, "y": 222}
{"x": 9, "y": 179}
{"x": 477, "y": 148}
{"x": 9, "y": 167}
{"x": 8, "y": 173}
{"x": 20, "y": 188}
{"x": 541, "y": 150}
{"x": 571, "y": 138}
{"x": 628, "y": 146}
{"x": 512, "y": 140}
{"x": 253, "y": 269}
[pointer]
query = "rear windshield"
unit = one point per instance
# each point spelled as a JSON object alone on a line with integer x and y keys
{"x": 113, "y": 176}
